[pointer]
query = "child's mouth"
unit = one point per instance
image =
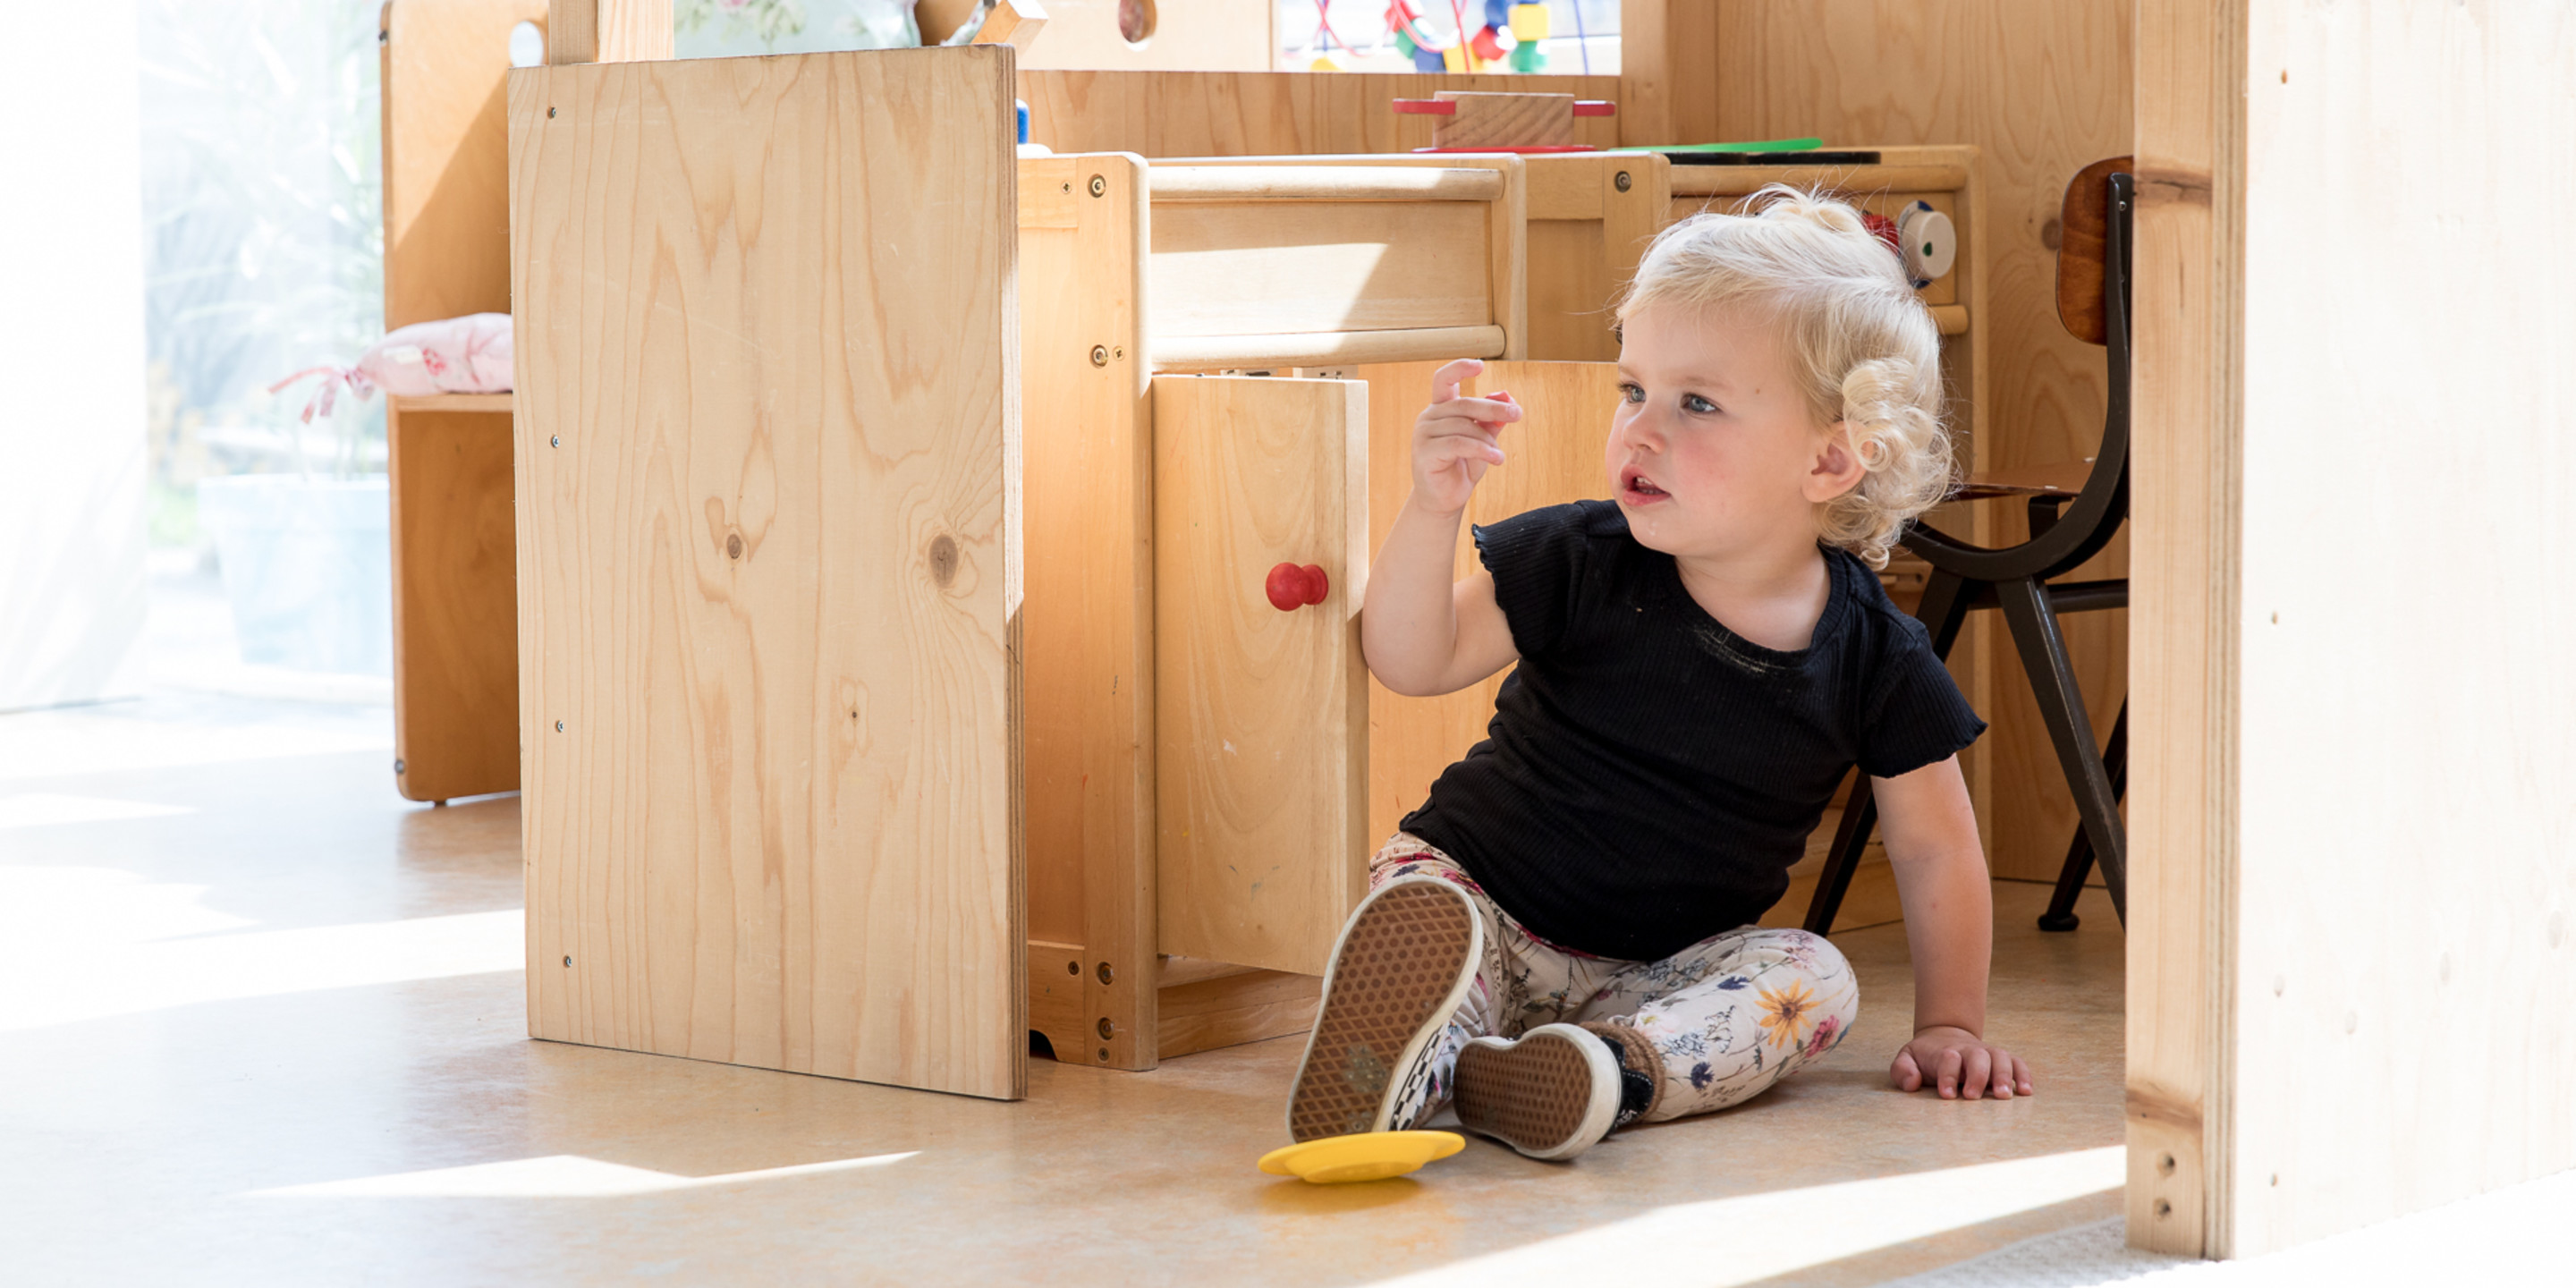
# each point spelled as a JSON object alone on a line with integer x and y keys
{"x": 1642, "y": 490}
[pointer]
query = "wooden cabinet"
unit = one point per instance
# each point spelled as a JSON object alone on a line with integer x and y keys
{"x": 1261, "y": 726}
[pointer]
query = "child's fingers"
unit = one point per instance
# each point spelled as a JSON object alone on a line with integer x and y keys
{"x": 1978, "y": 1074}
{"x": 1445, "y": 381}
{"x": 2021, "y": 1076}
{"x": 1450, "y": 447}
{"x": 1478, "y": 411}
{"x": 2004, "y": 1063}
{"x": 1946, "y": 1071}
{"x": 1905, "y": 1073}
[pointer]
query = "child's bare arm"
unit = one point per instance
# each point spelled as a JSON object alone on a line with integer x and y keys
{"x": 1421, "y": 634}
{"x": 1949, "y": 925}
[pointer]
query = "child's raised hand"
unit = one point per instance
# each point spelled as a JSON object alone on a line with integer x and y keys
{"x": 1959, "y": 1063}
{"x": 1454, "y": 440}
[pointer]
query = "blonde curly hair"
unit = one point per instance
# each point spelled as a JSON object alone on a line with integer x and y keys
{"x": 1866, "y": 348}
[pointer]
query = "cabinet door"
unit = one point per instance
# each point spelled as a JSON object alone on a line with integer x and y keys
{"x": 769, "y": 538}
{"x": 1261, "y": 721}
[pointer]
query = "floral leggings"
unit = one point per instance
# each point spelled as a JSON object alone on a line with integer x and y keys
{"x": 1728, "y": 1016}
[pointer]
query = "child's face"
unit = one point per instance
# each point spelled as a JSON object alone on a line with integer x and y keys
{"x": 1713, "y": 452}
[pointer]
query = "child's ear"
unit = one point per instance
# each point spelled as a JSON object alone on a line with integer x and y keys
{"x": 1835, "y": 468}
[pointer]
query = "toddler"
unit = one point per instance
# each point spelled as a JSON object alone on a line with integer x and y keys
{"x": 1562, "y": 940}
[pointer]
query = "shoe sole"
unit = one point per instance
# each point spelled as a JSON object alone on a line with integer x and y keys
{"x": 1398, "y": 973}
{"x": 1551, "y": 1094}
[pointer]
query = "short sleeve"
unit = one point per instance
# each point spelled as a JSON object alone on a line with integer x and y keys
{"x": 1916, "y": 715}
{"x": 1537, "y": 559}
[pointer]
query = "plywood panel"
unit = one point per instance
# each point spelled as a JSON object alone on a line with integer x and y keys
{"x": 2186, "y": 484}
{"x": 447, "y": 156}
{"x": 1262, "y": 715}
{"x": 1230, "y": 114}
{"x": 447, "y": 253}
{"x": 2041, "y": 89}
{"x": 770, "y": 577}
{"x": 2407, "y": 839}
{"x": 1590, "y": 218}
{"x": 1554, "y": 455}
{"x": 456, "y": 604}
{"x": 1088, "y": 621}
{"x": 1187, "y": 35}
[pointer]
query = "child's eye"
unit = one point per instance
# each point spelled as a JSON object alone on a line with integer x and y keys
{"x": 1697, "y": 405}
{"x": 1631, "y": 393}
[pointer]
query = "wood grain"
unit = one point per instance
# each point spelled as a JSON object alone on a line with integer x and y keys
{"x": 1261, "y": 715}
{"x": 608, "y": 31}
{"x": 770, "y": 581}
{"x": 1554, "y": 456}
{"x": 446, "y": 157}
{"x": 2406, "y": 842}
{"x": 2040, "y": 89}
{"x": 1313, "y": 263}
{"x": 1586, "y": 234}
{"x": 1233, "y": 114}
{"x": 2084, "y": 218}
{"x": 2184, "y": 590}
{"x": 1088, "y": 620}
{"x": 1230, "y": 1010}
{"x": 1513, "y": 120}
{"x": 1187, "y": 36}
{"x": 456, "y": 604}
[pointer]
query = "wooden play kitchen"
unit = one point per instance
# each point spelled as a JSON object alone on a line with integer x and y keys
{"x": 888, "y": 652}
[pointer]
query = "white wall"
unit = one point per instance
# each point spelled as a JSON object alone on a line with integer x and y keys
{"x": 71, "y": 356}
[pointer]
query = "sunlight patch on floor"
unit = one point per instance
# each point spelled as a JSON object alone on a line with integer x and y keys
{"x": 52, "y": 809}
{"x": 62, "y": 978}
{"x": 1754, "y": 1237}
{"x": 557, "y": 1176}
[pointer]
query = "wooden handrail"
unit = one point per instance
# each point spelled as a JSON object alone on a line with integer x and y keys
{"x": 1324, "y": 183}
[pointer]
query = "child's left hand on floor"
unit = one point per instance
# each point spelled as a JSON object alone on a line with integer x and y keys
{"x": 1959, "y": 1063}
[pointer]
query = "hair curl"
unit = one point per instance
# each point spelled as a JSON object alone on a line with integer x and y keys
{"x": 1867, "y": 352}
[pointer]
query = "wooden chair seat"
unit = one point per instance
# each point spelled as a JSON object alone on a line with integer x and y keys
{"x": 2065, "y": 478}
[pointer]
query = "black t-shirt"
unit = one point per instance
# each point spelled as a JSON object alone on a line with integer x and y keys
{"x": 1650, "y": 776}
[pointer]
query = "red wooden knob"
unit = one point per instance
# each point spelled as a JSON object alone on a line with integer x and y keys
{"x": 1291, "y": 586}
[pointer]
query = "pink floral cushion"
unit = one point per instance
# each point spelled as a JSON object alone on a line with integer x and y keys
{"x": 467, "y": 355}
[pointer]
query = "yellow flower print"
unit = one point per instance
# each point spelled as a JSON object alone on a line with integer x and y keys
{"x": 1785, "y": 1014}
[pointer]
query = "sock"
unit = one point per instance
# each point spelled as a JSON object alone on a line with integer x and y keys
{"x": 1636, "y": 1086}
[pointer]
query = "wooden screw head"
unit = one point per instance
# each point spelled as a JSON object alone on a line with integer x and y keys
{"x": 554, "y": 440}
{"x": 567, "y": 961}
{"x": 1107, "y": 975}
{"x": 1073, "y": 968}
{"x": 1100, "y": 355}
{"x": 398, "y": 767}
{"x": 558, "y": 726}
{"x": 1622, "y": 182}
{"x": 1099, "y": 185}
{"x": 1106, "y": 1028}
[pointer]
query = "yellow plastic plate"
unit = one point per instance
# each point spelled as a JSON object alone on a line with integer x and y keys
{"x": 1367, "y": 1156}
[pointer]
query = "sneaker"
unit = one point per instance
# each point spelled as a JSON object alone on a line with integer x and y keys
{"x": 1553, "y": 1092}
{"x": 1404, "y": 962}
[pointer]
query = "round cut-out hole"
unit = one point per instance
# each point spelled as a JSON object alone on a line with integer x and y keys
{"x": 527, "y": 46}
{"x": 1136, "y": 21}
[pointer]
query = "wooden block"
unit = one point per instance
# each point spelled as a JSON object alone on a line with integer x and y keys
{"x": 1058, "y": 1009}
{"x": 769, "y": 583}
{"x": 1261, "y": 715}
{"x": 456, "y": 603}
{"x": 1233, "y": 1009}
{"x": 1554, "y": 456}
{"x": 1012, "y": 22}
{"x": 1487, "y": 120}
{"x": 447, "y": 157}
{"x": 608, "y": 31}
{"x": 1087, "y": 624}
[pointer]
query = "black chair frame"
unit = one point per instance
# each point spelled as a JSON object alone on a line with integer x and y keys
{"x": 2015, "y": 579}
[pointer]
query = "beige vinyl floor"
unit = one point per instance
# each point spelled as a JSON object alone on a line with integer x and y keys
{"x": 261, "y": 1022}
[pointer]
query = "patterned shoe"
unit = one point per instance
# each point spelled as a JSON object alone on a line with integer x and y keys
{"x": 1405, "y": 961}
{"x": 1551, "y": 1093}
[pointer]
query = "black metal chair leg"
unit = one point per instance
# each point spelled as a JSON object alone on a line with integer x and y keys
{"x": 2060, "y": 916}
{"x": 2052, "y": 682}
{"x": 1851, "y": 840}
